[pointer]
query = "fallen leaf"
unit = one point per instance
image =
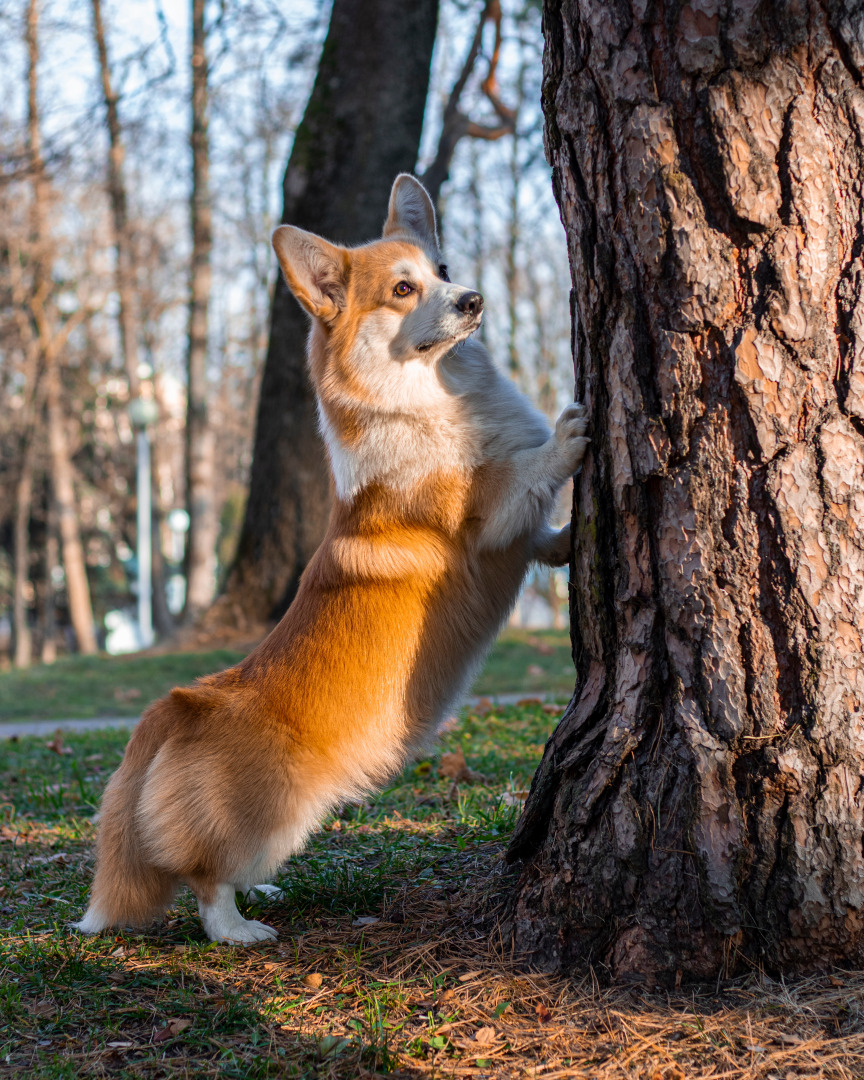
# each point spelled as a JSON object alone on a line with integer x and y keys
{"x": 485, "y": 1036}
{"x": 42, "y": 1008}
{"x": 56, "y": 744}
{"x": 366, "y": 920}
{"x": 522, "y": 702}
{"x": 313, "y": 981}
{"x": 835, "y": 981}
{"x": 469, "y": 975}
{"x": 172, "y": 1028}
{"x": 121, "y": 1045}
{"x": 454, "y": 767}
{"x": 332, "y": 1045}
{"x": 483, "y": 706}
{"x": 544, "y": 1015}
{"x": 788, "y": 1039}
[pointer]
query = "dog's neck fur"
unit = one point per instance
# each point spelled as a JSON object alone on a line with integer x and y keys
{"x": 420, "y": 424}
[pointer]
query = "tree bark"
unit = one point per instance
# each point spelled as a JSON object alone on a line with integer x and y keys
{"x": 62, "y": 481}
{"x": 700, "y": 801}
{"x": 50, "y": 340}
{"x": 200, "y": 442}
{"x": 23, "y": 654}
{"x": 124, "y": 276}
{"x": 361, "y": 127}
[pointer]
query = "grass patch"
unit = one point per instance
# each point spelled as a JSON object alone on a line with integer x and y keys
{"x": 383, "y": 966}
{"x": 81, "y": 687}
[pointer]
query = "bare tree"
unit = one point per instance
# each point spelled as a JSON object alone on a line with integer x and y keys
{"x": 48, "y": 340}
{"x": 200, "y": 444}
{"x": 700, "y": 800}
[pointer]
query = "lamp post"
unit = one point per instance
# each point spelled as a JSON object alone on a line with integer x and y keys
{"x": 144, "y": 411}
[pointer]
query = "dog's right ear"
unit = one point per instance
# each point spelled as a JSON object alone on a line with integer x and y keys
{"x": 316, "y": 272}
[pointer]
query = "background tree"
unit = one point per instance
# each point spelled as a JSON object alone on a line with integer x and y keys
{"x": 361, "y": 127}
{"x": 200, "y": 437}
{"x": 700, "y": 799}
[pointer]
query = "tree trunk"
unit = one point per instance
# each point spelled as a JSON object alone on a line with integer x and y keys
{"x": 200, "y": 443}
{"x": 701, "y": 799}
{"x": 21, "y": 585}
{"x": 62, "y": 482}
{"x": 361, "y": 127}
{"x": 124, "y": 269}
{"x": 51, "y": 339}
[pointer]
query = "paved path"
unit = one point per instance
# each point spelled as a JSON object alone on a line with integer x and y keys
{"x": 48, "y": 727}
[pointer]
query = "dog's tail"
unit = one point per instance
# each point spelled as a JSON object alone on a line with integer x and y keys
{"x": 127, "y": 889}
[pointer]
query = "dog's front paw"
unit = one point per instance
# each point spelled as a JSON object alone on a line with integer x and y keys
{"x": 570, "y": 439}
{"x": 244, "y": 932}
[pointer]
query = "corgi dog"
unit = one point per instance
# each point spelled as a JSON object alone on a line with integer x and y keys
{"x": 443, "y": 477}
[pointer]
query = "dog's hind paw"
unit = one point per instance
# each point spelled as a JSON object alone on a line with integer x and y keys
{"x": 92, "y": 923}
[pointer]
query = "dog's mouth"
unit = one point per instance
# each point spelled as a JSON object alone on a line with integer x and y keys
{"x": 452, "y": 339}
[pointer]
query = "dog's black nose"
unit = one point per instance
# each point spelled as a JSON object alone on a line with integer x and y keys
{"x": 470, "y": 303}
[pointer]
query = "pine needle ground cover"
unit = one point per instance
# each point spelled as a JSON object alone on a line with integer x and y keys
{"x": 390, "y": 960}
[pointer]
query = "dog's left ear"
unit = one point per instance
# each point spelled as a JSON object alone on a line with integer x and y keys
{"x": 411, "y": 210}
{"x": 316, "y": 271}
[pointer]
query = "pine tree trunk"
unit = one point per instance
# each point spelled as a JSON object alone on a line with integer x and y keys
{"x": 200, "y": 439}
{"x": 361, "y": 127}
{"x": 701, "y": 799}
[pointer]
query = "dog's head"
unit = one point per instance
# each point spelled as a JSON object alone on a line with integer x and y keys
{"x": 386, "y": 306}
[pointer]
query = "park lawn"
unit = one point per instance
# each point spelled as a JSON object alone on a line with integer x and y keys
{"x": 390, "y": 959}
{"x": 81, "y": 687}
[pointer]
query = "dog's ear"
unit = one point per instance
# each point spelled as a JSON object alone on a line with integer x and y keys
{"x": 316, "y": 272}
{"x": 411, "y": 210}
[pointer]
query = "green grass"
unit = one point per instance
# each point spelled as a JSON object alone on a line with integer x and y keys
{"x": 405, "y": 854}
{"x": 81, "y": 687}
{"x": 427, "y": 989}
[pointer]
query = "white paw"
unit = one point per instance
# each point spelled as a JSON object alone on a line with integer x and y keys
{"x": 243, "y": 932}
{"x": 570, "y": 436}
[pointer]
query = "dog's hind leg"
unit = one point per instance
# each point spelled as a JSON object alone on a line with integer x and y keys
{"x": 222, "y": 921}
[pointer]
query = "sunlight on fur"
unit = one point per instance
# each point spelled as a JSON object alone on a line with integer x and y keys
{"x": 444, "y": 477}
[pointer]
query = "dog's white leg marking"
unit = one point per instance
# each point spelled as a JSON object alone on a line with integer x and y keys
{"x": 223, "y": 922}
{"x": 538, "y": 475}
{"x": 92, "y": 923}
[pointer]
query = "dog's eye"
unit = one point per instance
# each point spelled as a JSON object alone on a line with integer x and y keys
{"x": 403, "y": 289}
{"x": 442, "y": 272}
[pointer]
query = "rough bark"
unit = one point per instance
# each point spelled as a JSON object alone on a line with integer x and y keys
{"x": 701, "y": 800}
{"x": 361, "y": 127}
{"x": 200, "y": 438}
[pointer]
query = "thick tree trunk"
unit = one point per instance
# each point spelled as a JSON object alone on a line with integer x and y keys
{"x": 200, "y": 439}
{"x": 361, "y": 127}
{"x": 702, "y": 798}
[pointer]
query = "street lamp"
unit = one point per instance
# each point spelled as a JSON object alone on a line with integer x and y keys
{"x": 144, "y": 411}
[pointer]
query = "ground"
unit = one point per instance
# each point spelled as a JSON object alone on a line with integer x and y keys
{"x": 80, "y": 687}
{"x": 389, "y": 962}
